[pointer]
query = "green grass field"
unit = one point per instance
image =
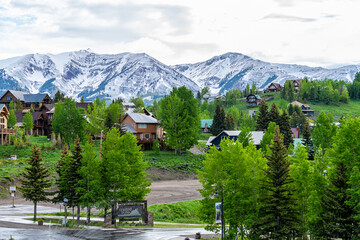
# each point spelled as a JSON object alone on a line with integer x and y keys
{"x": 181, "y": 212}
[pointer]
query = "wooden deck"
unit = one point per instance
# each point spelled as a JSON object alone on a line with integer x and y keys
{"x": 6, "y": 132}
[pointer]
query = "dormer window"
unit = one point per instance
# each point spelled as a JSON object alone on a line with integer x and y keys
{"x": 9, "y": 98}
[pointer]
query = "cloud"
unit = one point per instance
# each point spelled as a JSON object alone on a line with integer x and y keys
{"x": 288, "y": 18}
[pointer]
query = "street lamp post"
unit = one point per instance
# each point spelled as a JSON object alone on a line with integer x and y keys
{"x": 222, "y": 214}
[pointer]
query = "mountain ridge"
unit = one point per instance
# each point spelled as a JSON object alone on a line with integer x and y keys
{"x": 87, "y": 74}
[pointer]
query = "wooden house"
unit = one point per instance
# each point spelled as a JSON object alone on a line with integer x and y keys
{"x": 256, "y": 137}
{"x": 296, "y": 84}
{"x": 253, "y": 100}
{"x": 4, "y": 131}
{"x": 273, "y": 87}
{"x": 145, "y": 127}
{"x": 39, "y": 121}
{"x": 27, "y": 99}
{"x": 305, "y": 108}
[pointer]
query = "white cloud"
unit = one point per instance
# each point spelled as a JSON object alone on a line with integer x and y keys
{"x": 288, "y": 31}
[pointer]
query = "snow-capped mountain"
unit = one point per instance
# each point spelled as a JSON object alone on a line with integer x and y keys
{"x": 235, "y": 70}
{"x": 84, "y": 73}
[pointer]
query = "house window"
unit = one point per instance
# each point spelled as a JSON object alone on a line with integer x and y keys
{"x": 141, "y": 136}
{"x": 142, "y": 125}
{"x": 147, "y": 136}
{"x": 9, "y": 98}
{"x": 153, "y": 136}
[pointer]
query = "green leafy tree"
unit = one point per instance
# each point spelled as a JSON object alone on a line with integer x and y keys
{"x": 122, "y": 169}
{"x": 28, "y": 122}
{"x": 278, "y": 216}
{"x": 245, "y": 137}
{"x": 18, "y": 106}
{"x": 96, "y": 115}
{"x": 235, "y": 173}
{"x": 344, "y": 97}
{"x": 12, "y": 119}
{"x": 69, "y": 121}
{"x": 35, "y": 180}
{"x": 300, "y": 171}
{"x": 156, "y": 146}
{"x": 89, "y": 185}
{"x": 262, "y": 120}
{"x": 268, "y": 137}
{"x": 324, "y": 131}
{"x": 11, "y": 105}
{"x": 179, "y": 115}
{"x": 114, "y": 114}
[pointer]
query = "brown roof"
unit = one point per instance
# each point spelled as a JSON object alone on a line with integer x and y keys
{"x": 277, "y": 85}
{"x": 48, "y": 106}
{"x": 84, "y": 105}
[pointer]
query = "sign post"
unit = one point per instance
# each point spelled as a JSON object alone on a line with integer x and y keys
{"x": 12, "y": 192}
{"x": 65, "y": 210}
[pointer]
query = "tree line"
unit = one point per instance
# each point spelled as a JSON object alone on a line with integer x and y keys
{"x": 280, "y": 192}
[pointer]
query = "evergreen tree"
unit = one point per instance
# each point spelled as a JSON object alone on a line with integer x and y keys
{"x": 229, "y": 122}
{"x": 82, "y": 99}
{"x": 290, "y": 109}
{"x": 262, "y": 120}
{"x": 58, "y": 97}
{"x": 278, "y": 218}
{"x": 61, "y": 181}
{"x": 337, "y": 217}
{"x": 28, "y": 123}
{"x": 285, "y": 128}
{"x": 12, "y": 119}
{"x": 35, "y": 180}
{"x": 307, "y": 142}
{"x": 274, "y": 115}
{"x": 218, "y": 121}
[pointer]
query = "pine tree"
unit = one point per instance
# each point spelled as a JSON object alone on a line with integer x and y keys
{"x": 229, "y": 122}
{"x": 35, "y": 180}
{"x": 58, "y": 97}
{"x": 262, "y": 120}
{"x": 290, "y": 109}
{"x": 219, "y": 121}
{"x": 307, "y": 140}
{"x": 274, "y": 115}
{"x": 61, "y": 181}
{"x": 285, "y": 128}
{"x": 337, "y": 217}
{"x": 278, "y": 218}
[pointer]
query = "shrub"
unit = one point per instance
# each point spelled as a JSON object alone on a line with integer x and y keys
{"x": 19, "y": 143}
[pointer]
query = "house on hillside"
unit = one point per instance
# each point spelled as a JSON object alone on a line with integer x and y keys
{"x": 253, "y": 100}
{"x": 305, "y": 108}
{"x": 206, "y": 124}
{"x": 27, "y": 99}
{"x": 296, "y": 84}
{"x": 39, "y": 122}
{"x": 273, "y": 87}
{"x": 256, "y": 136}
{"x": 145, "y": 127}
{"x": 5, "y": 132}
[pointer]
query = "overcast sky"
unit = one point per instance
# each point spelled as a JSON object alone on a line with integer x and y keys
{"x": 312, "y": 32}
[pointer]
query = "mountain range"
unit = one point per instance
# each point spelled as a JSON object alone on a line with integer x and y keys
{"x": 90, "y": 75}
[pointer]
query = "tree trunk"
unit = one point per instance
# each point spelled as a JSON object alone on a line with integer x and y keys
{"x": 78, "y": 215}
{"x": 88, "y": 215}
{"x": 65, "y": 213}
{"x": 113, "y": 215}
{"x": 73, "y": 214}
{"x": 105, "y": 212}
{"x": 35, "y": 203}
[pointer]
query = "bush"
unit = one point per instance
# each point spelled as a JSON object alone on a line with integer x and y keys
{"x": 12, "y": 139}
{"x": 19, "y": 143}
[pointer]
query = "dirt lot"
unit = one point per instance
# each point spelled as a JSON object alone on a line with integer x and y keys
{"x": 168, "y": 191}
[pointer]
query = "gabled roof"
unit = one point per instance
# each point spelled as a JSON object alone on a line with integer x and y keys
{"x": 4, "y": 108}
{"x": 129, "y": 104}
{"x": 18, "y": 94}
{"x": 141, "y": 118}
{"x": 129, "y": 128}
{"x": 52, "y": 111}
{"x": 48, "y": 106}
{"x": 255, "y": 135}
{"x": 33, "y": 98}
{"x": 208, "y": 121}
{"x": 36, "y": 115}
{"x": 277, "y": 85}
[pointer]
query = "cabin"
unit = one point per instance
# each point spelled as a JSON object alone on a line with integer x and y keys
{"x": 145, "y": 127}
{"x": 256, "y": 136}
{"x": 39, "y": 122}
{"x": 274, "y": 87}
{"x": 4, "y": 131}
{"x": 296, "y": 84}
{"x": 305, "y": 108}
{"x": 253, "y": 100}
{"x": 206, "y": 124}
{"x": 27, "y": 99}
